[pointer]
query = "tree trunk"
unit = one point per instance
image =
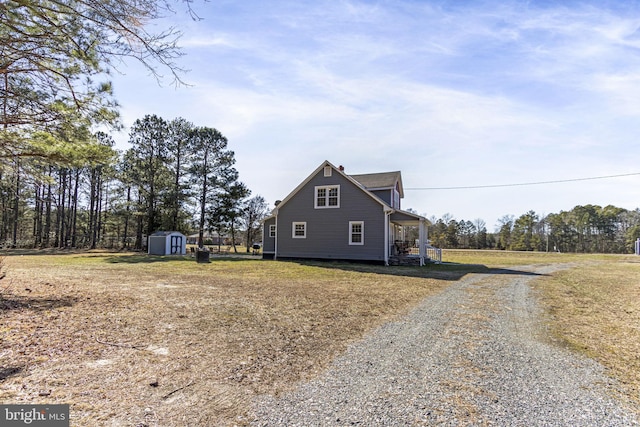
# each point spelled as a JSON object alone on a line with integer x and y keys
{"x": 74, "y": 210}
{"x": 125, "y": 233}
{"x": 176, "y": 190}
{"x": 16, "y": 206}
{"x": 47, "y": 220}
{"x": 60, "y": 219}
{"x": 203, "y": 203}
{"x": 69, "y": 210}
{"x": 139, "y": 225}
{"x": 37, "y": 215}
{"x": 99, "y": 211}
{"x": 233, "y": 236}
{"x": 92, "y": 209}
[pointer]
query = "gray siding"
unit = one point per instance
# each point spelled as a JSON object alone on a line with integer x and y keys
{"x": 385, "y": 195}
{"x": 328, "y": 229}
{"x": 268, "y": 243}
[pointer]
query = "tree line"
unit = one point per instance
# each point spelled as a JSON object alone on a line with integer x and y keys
{"x": 584, "y": 229}
{"x": 62, "y": 184}
{"x": 175, "y": 176}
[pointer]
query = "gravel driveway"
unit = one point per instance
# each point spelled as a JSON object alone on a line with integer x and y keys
{"x": 475, "y": 354}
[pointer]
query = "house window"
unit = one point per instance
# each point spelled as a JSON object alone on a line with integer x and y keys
{"x": 327, "y": 196}
{"x": 327, "y": 171}
{"x": 272, "y": 231}
{"x": 396, "y": 199}
{"x": 356, "y": 232}
{"x": 299, "y": 230}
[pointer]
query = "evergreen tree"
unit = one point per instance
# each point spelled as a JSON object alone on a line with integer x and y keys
{"x": 150, "y": 171}
{"x": 523, "y": 237}
{"x": 505, "y": 226}
{"x": 55, "y": 55}
{"x": 211, "y": 171}
{"x": 180, "y": 153}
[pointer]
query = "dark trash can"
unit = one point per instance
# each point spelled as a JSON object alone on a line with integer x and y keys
{"x": 202, "y": 256}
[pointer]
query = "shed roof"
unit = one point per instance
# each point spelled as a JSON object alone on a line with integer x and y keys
{"x": 165, "y": 233}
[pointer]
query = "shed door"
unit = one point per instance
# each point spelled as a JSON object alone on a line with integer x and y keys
{"x": 176, "y": 245}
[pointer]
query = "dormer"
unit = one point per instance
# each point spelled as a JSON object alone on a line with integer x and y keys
{"x": 386, "y": 185}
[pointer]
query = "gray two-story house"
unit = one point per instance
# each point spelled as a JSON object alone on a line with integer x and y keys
{"x": 335, "y": 216}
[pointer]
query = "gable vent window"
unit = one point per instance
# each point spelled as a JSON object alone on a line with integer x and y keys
{"x": 327, "y": 197}
{"x": 327, "y": 171}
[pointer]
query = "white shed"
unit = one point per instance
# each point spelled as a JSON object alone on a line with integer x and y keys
{"x": 167, "y": 243}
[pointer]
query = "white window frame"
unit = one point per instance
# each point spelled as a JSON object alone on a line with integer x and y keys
{"x": 361, "y": 233}
{"x": 272, "y": 231}
{"x": 293, "y": 230}
{"x": 327, "y": 171}
{"x": 326, "y": 197}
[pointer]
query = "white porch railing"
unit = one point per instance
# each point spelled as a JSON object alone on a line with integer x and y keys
{"x": 433, "y": 254}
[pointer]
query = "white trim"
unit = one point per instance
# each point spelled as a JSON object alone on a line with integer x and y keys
{"x": 272, "y": 230}
{"x": 326, "y": 197}
{"x": 387, "y": 230}
{"x": 351, "y": 233}
{"x": 293, "y": 230}
{"x": 327, "y": 171}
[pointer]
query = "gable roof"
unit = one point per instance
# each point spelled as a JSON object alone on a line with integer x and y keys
{"x": 363, "y": 181}
{"x": 335, "y": 169}
{"x": 380, "y": 181}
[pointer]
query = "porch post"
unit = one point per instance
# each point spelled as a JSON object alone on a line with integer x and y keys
{"x": 275, "y": 241}
{"x": 422, "y": 236}
{"x": 387, "y": 230}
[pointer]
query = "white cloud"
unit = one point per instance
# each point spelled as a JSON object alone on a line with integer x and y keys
{"x": 204, "y": 40}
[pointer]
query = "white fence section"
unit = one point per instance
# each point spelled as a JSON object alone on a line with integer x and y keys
{"x": 433, "y": 254}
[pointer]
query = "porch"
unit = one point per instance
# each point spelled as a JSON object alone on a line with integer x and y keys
{"x": 408, "y": 240}
{"x": 408, "y": 253}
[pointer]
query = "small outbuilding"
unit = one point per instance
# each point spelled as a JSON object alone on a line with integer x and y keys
{"x": 167, "y": 243}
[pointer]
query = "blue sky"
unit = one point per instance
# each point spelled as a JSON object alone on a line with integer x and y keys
{"x": 451, "y": 93}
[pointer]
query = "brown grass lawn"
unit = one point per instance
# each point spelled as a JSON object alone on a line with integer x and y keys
{"x": 595, "y": 309}
{"x": 499, "y": 259}
{"x": 135, "y": 340}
